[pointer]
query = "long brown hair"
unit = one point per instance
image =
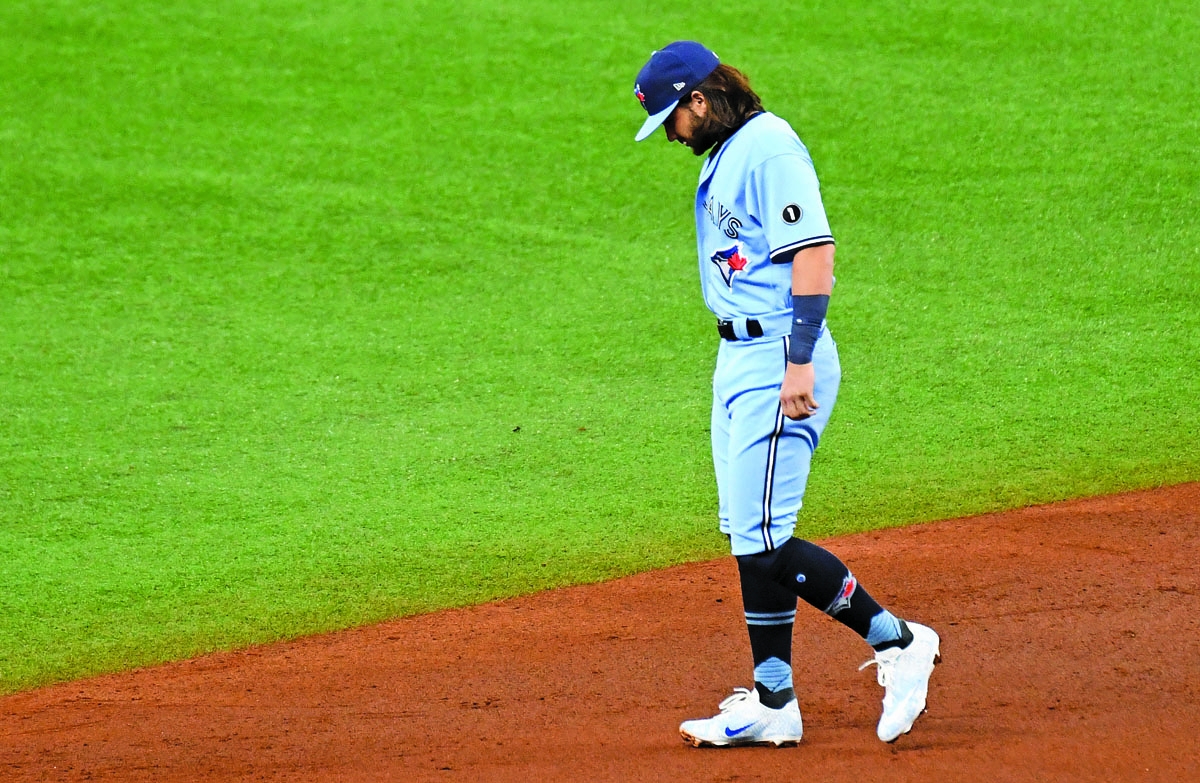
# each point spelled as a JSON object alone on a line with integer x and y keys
{"x": 731, "y": 101}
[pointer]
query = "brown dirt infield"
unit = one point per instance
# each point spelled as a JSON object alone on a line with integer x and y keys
{"x": 1071, "y": 645}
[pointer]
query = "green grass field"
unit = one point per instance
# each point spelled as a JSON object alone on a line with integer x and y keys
{"x": 313, "y": 314}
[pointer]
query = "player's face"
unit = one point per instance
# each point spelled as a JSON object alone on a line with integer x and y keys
{"x": 682, "y": 123}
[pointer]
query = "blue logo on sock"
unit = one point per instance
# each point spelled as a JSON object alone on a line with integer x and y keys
{"x": 734, "y": 732}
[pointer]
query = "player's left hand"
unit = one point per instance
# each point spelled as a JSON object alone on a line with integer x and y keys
{"x": 796, "y": 393}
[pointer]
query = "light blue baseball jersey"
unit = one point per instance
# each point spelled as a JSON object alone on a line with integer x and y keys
{"x": 758, "y": 202}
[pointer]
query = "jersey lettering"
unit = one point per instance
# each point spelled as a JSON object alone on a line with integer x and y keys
{"x": 722, "y": 217}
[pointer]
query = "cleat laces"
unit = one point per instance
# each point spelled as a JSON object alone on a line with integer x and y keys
{"x": 739, "y": 696}
{"x": 887, "y": 668}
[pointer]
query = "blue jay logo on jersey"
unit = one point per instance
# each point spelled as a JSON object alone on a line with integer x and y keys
{"x": 729, "y": 262}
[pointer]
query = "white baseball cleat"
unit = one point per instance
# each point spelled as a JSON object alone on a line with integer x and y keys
{"x": 744, "y": 720}
{"x": 904, "y": 674}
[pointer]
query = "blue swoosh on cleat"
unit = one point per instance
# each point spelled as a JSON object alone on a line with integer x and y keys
{"x": 734, "y": 732}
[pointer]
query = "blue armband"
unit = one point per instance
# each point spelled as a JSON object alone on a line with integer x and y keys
{"x": 808, "y": 313}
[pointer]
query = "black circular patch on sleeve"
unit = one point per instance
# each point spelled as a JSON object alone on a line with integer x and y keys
{"x": 792, "y": 214}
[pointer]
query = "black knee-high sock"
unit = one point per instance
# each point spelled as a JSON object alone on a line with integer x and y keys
{"x": 770, "y": 613}
{"x": 821, "y": 579}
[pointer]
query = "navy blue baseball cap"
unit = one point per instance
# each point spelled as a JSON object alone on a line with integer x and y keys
{"x": 672, "y": 73}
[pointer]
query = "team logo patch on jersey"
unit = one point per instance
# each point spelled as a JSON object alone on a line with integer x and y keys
{"x": 729, "y": 262}
{"x": 792, "y": 214}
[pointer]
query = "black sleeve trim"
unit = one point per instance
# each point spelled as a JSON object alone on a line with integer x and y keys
{"x": 784, "y": 254}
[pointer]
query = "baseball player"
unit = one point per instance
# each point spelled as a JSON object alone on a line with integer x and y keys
{"x": 766, "y": 272}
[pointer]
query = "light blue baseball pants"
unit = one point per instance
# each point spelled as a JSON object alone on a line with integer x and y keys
{"x": 761, "y": 457}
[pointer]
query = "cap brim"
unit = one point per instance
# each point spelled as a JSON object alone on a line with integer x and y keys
{"x": 654, "y": 120}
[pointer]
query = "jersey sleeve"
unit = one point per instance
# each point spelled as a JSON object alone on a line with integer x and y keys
{"x": 785, "y": 198}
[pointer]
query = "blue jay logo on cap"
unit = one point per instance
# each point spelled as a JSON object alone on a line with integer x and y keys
{"x": 641, "y": 96}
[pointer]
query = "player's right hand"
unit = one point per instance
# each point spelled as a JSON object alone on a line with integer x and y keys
{"x": 796, "y": 394}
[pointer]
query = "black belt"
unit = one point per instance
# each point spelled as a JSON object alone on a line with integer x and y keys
{"x": 725, "y": 329}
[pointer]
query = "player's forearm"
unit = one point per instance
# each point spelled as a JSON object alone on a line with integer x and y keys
{"x": 812, "y": 283}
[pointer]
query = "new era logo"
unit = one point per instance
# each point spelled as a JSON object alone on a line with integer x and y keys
{"x": 678, "y": 85}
